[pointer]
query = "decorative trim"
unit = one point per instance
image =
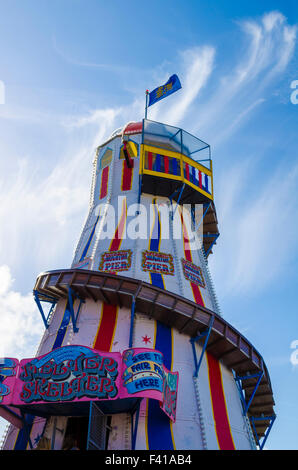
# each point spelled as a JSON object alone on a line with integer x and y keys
{"x": 112, "y": 261}
{"x": 157, "y": 262}
{"x": 193, "y": 273}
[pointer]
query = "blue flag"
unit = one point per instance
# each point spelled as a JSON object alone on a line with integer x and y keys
{"x": 172, "y": 85}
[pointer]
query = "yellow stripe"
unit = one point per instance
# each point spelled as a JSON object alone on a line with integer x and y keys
{"x": 116, "y": 321}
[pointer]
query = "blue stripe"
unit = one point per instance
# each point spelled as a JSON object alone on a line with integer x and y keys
{"x": 193, "y": 172}
{"x": 155, "y": 236}
{"x": 158, "y": 424}
{"x": 175, "y": 166}
{"x": 24, "y": 434}
{"x": 89, "y": 240}
{"x": 157, "y": 162}
{"x": 157, "y": 280}
{"x": 62, "y": 329}
{"x": 206, "y": 184}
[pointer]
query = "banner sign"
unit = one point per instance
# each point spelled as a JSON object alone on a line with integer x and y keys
{"x": 69, "y": 373}
{"x": 112, "y": 261}
{"x": 156, "y": 262}
{"x": 78, "y": 373}
{"x": 172, "y": 85}
{"x": 145, "y": 375}
{"x": 8, "y": 370}
{"x": 193, "y": 273}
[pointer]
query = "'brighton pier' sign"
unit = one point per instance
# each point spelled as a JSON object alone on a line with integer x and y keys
{"x": 78, "y": 373}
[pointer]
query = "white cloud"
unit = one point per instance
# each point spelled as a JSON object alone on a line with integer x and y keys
{"x": 21, "y": 324}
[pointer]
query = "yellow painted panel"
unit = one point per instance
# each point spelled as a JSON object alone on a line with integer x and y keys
{"x": 132, "y": 149}
{"x": 106, "y": 158}
{"x": 182, "y": 159}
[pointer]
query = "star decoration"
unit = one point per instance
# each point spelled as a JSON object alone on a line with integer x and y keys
{"x": 146, "y": 339}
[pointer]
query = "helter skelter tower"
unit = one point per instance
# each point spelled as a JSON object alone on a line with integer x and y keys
{"x": 139, "y": 282}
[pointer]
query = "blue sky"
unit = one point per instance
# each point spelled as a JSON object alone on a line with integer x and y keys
{"x": 74, "y": 71}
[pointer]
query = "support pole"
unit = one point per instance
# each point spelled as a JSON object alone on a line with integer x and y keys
{"x": 132, "y": 314}
{"x": 205, "y": 334}
{"x": 132, "y": 317}
{"x": 178, "y": 200}
{"x": 135, "y": 427}
{"x": 146, "y": 105}
{"x": 70, "y": 302}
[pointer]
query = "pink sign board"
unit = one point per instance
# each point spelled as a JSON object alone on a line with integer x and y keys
{"x": 78, "y": 373}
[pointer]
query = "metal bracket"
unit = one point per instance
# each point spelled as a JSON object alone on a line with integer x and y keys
{"x": 132, "y": 315}
{"x": 178, "y": 200}
{"x": 47, "y": 299}
{"x": 202, "y": 218}
{"x": 205, "y": 334}
{"x": 72, "y": 314}
{"x": 215, "y": 235}
{"x": 262, "y": 418}
{"x": 239, "y": 380}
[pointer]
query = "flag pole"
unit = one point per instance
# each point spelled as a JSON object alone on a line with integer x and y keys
{"x": 146, "y": 106}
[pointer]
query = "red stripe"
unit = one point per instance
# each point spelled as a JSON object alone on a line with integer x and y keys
{"x": 103, "y": 340}
{"x": 222, "y": 425}
{"x": 197, "y": 294}
{"x": 166, "y": 162}
{"x": 149, "y": 161}
{"x": 200, "y": 179}
{"x": 187, "y": 171}
{"x": 115, "y": 243}
{"x": 104, "y": 182}
{"x": 126, "y": 177}
{"x": 188, "y": 256}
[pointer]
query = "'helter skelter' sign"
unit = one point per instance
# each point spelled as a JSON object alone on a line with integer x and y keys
{"x": 76, "y": 374}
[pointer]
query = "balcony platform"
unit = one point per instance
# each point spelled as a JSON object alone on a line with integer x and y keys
{"x": 225, "y": 342}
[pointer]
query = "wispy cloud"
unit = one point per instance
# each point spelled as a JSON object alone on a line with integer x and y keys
{"x": 49, "y": 202}
{"x": 196, "y": 67}
{"x": 20, "y": 326}
{"x": 256, "y": 244}
{"x": 269, "y": 46}
{"x": 112, "y": 68}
